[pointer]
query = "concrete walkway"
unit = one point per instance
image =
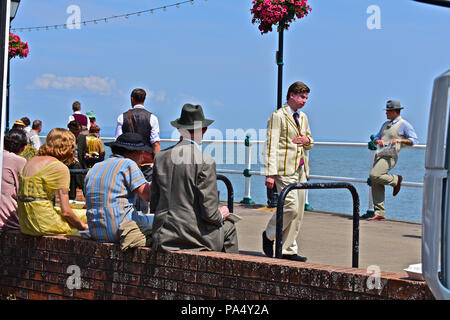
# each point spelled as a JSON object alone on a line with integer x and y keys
{"x": 326, "y": 238}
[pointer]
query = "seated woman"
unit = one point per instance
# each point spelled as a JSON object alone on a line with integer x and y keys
{"x": 96, "y": 152}
{"x": 40, "y": 179}
{"x": 111, "y": 187}
{"x": 14, "y": 143}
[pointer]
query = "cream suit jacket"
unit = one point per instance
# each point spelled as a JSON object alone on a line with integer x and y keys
{"x": 281, "y": 155}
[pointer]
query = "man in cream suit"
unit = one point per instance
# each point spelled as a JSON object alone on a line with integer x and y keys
{"x": 288, "y": 136}
{"x": 184, "y": 194}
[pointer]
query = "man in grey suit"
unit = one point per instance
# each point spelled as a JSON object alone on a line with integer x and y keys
{"x": 184, "y": 194}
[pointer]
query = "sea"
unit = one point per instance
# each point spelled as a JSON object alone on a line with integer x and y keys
{"x": 350, "y": 162}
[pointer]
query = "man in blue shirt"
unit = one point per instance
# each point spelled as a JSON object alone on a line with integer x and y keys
{"x": 111, "y": 186}
{"x": 393, "y": 135}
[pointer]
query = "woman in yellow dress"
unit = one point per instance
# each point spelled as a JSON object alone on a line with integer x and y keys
{"x": 40, "y": 179}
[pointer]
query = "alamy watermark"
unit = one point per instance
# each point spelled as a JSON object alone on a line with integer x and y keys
{"x": 74, "y": 20}
{"x": 374, "y": 279}
{"x": 374, "y": 20}
{"x": 74, "y": 280}
{"x": 230, "y": 148}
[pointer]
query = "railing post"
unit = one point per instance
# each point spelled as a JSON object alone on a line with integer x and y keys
{"x": 371, "y": 145}
{"x": 248, "y": 165}
{"x": 370, "y": 209}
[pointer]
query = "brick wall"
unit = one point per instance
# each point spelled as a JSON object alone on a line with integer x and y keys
{"x": 39, "y": 268}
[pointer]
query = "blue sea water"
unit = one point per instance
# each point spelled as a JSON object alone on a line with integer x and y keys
{"x": 328, "y": 161}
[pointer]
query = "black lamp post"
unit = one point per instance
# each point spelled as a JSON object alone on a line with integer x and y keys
{"x": 272, "y": 195}
{"x": 12, "y": 15}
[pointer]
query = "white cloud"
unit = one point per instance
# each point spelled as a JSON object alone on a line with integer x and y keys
{"x": 104, "y": 86}
{"x": 158, "y": 96}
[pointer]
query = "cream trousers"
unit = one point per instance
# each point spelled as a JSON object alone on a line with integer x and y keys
{"x": 294, "y": 207}
{"x": 380, "y": 177}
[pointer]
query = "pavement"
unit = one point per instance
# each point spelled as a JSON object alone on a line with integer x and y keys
{"x": 326, "y": 238}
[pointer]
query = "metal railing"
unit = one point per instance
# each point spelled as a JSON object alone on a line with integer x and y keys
{"x": 307, "y": 185}
{"x": 230, "y": 191}
{"x": 226, "y": 181}
{"x": 248, "y": 172}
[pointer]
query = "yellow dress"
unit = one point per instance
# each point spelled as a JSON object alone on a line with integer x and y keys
{"x": 37, "y": 215}
{"x": 94, "y": 144}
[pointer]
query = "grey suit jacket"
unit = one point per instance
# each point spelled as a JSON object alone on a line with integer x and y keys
{"x": 184, "y": 200}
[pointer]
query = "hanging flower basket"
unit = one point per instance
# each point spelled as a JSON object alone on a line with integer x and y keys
{"x": 268, "y": 13}
{"x": 17, "y": 48}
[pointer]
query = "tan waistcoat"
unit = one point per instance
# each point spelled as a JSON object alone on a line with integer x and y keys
{"x": 391, "y": 132}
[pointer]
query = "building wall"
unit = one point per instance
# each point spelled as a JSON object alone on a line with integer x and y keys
{"x": 43, "y": 268}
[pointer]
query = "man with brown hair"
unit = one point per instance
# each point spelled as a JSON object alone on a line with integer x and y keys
{"x": 139, "y": 120}
{"x": 288, "y": 136}
{"x": 80, "y": 118}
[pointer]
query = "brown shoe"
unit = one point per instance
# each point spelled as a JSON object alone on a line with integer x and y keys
{"x": 376, "y": 218}
{"x": 397, "y": 187}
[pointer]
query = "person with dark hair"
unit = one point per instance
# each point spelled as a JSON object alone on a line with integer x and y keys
{"x": 80, "y": 118}
{"x": 27, "y": 123}
{"x": 42, "y": 178}
{"x": 139, "y": 120}
{"x": 95, "y": 151}
{"x": 33, "y": 141}
{"x": 288, "y": 136}
{"x": 184, "y": 195}
{"x": 77, "y": 180}
{"x": 14, "y": 143}
{"x": 112, "y": 185}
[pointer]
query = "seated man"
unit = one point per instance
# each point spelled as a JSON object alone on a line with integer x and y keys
{"x": 111, "y": 186}
{"x": 184, "y": 195}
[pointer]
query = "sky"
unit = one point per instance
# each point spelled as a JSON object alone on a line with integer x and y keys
{"x": 353, "y": 59}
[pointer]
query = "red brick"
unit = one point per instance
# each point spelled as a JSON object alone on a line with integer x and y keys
{"x": 85, "y": 294}
{"x": 209, "y": 278}
{"x": 230, "y": 294}
{"x": 148, "y": 293}
{"x": 93, "y": 274}
{"x": 170, "y": 285}
{"x": 197, "y": 289}
{"x": 52, "y": 288}
{"x": 406, "y": 290}
{"x": 279, "y": 273}
{"x": 299, "y": 276}
{"x": 33, "y": 295}
{"x": 252, "y": 285}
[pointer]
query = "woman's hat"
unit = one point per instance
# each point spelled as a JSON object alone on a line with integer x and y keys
{"x": 19, "y": 123}
{"x": 130, "y": 141}
{"x": 90, "y": 114}
{"x": 192, "y": 117}
{"x": 393, "y": 105}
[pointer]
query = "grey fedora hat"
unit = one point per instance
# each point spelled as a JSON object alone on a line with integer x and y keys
{"x": 393, "y": 105}
{"x": 131, "y": 141}
{"x": 192, "y": 117}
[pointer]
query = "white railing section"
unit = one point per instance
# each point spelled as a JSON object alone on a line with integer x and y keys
{"x": 247, "y": 173}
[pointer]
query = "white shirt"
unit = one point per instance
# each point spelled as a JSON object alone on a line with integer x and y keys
{"x": 71, "y": 118}
{"x": 154, "y": 133}
{"x": 34, "y": 140}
